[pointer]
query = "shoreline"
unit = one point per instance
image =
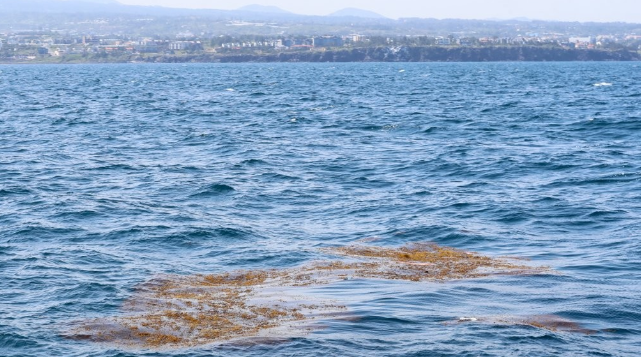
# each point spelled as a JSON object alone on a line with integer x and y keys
{"x": 369, "y": 55}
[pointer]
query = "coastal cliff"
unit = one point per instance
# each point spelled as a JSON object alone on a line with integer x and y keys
{"x": 416, "y": 54}
{"x": 365, "y": 54}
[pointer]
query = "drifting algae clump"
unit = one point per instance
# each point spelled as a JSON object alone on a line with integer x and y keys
{"x": 180, "y": 311}
{"x": 174, "y": 311}
{"x": 429, "y": 261}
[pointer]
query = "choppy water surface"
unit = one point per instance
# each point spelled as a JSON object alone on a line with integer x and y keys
{"x": 113, "y": 174}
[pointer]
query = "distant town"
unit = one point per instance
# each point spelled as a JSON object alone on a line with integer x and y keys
{"x": 46, "y": 46}
{"x": 78, "y": 34}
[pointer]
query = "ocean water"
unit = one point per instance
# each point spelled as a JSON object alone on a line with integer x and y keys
{"x": 113, "y": 174}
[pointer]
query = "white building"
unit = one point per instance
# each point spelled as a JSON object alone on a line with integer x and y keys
{"x": 443, "y": 41}
{"x": 179, "y": 45}
{"x": 578, "y": 40}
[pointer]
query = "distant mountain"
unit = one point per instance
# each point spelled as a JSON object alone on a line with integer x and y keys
{"x": 264, "y": 9}
{"x": 518, "y": 19}
{"x": 353, "y": 12}
{"x": 523, "y": 19}
{"x": 60, "y": 5}
{"x": 250, "y": 12}
{"x": 104, "y": 7}
{"x": 103, "y": 2}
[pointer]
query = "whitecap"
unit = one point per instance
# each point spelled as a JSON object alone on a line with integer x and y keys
{"x": 603, "y": 84}
{"x": 230, "y": 89}
{"x": 401, "y": 71}
{"x": 470, "y": 319}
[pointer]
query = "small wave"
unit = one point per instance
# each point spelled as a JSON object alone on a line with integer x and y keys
{"x": 83, "y": 214}
{"x": 511, "y": 104}
{"x": 232, "y": 232}
{"x": 280, "y": 177}
{"x": 10, "y": 340}
{"x": 214, "y": 190}
{"x": 14, "y": 191}
{"x": 611, "y": 215}
{"x": 112, "y": 167}
{"x": 601, "y": 180}
{"x": 603, "y": 84}
{"x": 196, "y": 235}
{"x": 39, "y": 231}
{"x": 514, "y": 217}
{"x": 253, "y": 162}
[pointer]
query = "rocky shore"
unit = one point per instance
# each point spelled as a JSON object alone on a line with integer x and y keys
{"x": 417, "y": 54}
{"x": 368, "y": 54}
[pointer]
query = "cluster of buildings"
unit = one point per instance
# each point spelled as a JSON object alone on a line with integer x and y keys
{"x": 30, "y": 45}
{"x": 34, "y": 44}
{"x": 297, "y": 43}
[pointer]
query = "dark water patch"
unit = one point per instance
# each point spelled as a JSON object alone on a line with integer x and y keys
{"x": 432, "y": 129}
{"x": 236, "y": 233}
{"x": 6, "y": 251}
{"x": 382, "y": 323}
{"x": 110, "y": 167}
{"x": 367, "y": 182}
{"x": 127, "y": 232}
{"x": 614, "y": 215}
{"x": 278, "y": 177}
{"x": 596, "y": 181}
{"x": 551, "y": 166}
{"x": 426, "y": 233}
{"x": 85, "y": 292}
{"x": 254, "y": 162}
{"x": 35, "y": 232}
{"x": 14, "y": 341}
{"x": 199, "y": 237}
{"x": 461, "y": 205}
{"x": 78, "y": 215}
{"x": 514, "y": 217}
{"x": 475, "y": 184}
{"x": 14, "y": 191}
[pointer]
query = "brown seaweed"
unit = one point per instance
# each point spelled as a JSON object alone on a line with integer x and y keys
{"x": 428, "y": 261}
{"x": 179, "y": 311}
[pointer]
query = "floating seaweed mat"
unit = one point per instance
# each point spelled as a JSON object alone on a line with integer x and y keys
{"x": 181, "y": 311}
{"x": 174, "y": 311}
{"x": 553, "y": 323}
{"x": 428, "y": 261}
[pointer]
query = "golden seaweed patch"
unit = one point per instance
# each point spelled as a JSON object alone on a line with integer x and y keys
{"x": 180, "y": 311}
{"x": 427, "y": 261}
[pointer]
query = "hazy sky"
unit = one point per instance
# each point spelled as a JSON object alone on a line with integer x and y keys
{"x": 568, "y": 10}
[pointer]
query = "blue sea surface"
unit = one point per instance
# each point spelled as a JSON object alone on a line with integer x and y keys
{"x": 113, "y": 174}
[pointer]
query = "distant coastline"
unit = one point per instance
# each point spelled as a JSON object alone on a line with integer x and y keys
{"x": 372, "y": 54}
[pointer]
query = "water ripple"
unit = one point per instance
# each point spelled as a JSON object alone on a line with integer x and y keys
{"x": 113, "y": 174}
